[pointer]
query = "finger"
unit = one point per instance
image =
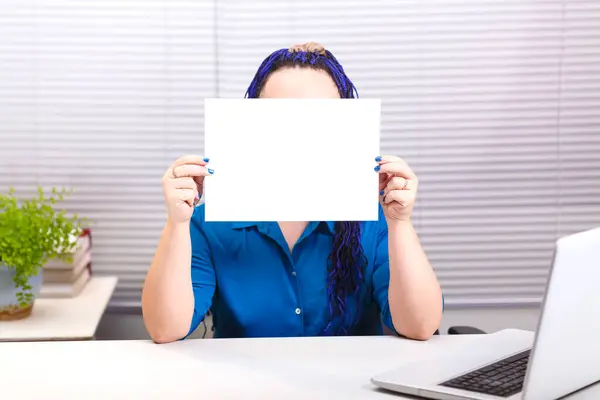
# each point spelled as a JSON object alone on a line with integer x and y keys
{"x": 189, "y": 196}
{"x": 399, "y": 183}
{"x": 190, "y": 159}
{"x": 384, "y": 180}
{"x": 191, "y": 171}
{"x": 185, "y": 160}
{"x": 399, "y": 168}
{"x": 387, "y": 159}
{"x": 403, "y": 197}
{"x": 184, "y": 183}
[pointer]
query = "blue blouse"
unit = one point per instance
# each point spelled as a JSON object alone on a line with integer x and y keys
{"x": 255, "y": 287}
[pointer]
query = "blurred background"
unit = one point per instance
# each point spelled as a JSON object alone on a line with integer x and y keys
{"x": 494, "y": 103}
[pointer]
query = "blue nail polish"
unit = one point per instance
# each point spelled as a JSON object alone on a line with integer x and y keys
{"x": 378, "y": 158}
{"x": 377, "y": 168}
{"x": 206, "y": 159}
{"x": 381, "y": 193}
{"x": 210, "y": 171}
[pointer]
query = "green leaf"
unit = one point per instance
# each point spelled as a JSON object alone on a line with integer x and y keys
{"x": 33, "y": 231}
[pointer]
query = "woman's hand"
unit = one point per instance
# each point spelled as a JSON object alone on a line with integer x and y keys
{"x": 397, "y": 188}
{"x": 182, "y": 186}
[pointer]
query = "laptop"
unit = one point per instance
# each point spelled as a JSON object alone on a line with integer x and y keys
{"x": 562, "y": 357}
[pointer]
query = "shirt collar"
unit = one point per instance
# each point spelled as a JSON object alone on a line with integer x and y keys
{"x": 329, "y": 225}
{"x": 244, "y": 224}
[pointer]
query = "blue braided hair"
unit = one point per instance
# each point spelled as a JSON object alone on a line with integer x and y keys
{"x": 346, "y": 262}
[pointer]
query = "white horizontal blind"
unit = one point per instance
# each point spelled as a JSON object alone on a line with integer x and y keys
{"x": 580, "y": 118}
{"x": 100, "y": 96}
{"x": 494, "y": 103}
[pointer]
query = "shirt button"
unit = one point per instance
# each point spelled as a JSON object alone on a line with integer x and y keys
{"x": 293, "y": 273}
{"x": 298, "y": 311}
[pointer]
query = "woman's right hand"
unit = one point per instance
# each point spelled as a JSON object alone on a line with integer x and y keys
{"x": 182, "y": 186}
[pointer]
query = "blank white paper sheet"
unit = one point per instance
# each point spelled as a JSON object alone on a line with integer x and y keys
{"x": 292, "y": 159}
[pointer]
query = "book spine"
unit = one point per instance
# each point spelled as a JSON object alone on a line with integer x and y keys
{"x": 88, "y": 232}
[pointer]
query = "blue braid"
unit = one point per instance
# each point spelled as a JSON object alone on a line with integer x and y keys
{"x": 285, "y": 58}
{"x": 346, "y": 262}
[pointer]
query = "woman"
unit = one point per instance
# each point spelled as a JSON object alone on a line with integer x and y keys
{"x": 291, "y": 278}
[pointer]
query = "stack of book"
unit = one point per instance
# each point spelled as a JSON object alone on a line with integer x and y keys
{"x": 62, "y": 279}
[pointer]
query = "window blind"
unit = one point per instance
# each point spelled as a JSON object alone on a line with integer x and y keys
{"x": 494, "y": 104}
{"x": 100, "y": 97}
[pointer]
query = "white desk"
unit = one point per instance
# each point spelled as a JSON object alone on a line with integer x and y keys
{"x": 63, "y": 319}
{"x": 302, "y": 368}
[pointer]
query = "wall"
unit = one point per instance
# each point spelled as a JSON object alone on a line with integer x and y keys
{"x": 129, "y": 325}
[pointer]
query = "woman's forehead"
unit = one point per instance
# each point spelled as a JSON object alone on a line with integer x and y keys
{"x": 299, "y": 83}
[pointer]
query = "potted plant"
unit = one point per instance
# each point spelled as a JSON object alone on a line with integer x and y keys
{"x": 32, "y": 232}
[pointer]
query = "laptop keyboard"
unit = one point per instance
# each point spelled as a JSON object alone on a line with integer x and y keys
{"x": 503, "y": 378}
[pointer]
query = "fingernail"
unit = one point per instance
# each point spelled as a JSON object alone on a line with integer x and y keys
{"x": 210, "y": 171}
{"x": 377, "y": 168}
{"x": 381, "y": 193}
{"x": 378, "y": 158}
{"x": 206, "y": 159}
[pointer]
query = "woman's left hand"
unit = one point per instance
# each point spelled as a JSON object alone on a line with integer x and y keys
{"x": 397, "y": 188}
